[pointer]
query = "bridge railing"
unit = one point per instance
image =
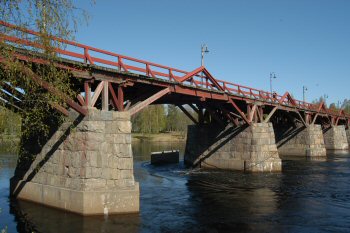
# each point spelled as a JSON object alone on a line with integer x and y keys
{"x": 91, "y": 55}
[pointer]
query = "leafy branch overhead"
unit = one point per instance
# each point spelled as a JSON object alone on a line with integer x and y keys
{"x": 20, "y": 93}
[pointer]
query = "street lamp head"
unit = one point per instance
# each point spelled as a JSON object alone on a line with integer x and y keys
{"x": 273, "y": 75}
{"x": 205, "y": 48}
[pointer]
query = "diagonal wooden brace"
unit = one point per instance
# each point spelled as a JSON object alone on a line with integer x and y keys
{"x": 189, "y": 115}
{"x": 239, "y": 111}
{"x": 138, "y": 107}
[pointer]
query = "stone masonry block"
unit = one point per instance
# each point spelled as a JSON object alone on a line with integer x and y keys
{"x": 89, "y": 159}
{"x": 96, "y": 172}
{"x": 91, "y": 126}
{"x": 113, "y": 161}
{"x": 126, "y": 174}
{"x": 124, "y": 126}
{"x": 121, "y": 116}
{"x": 125, "y": 163}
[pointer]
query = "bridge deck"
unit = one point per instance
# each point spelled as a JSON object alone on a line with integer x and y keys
{"x": 186, "y": 87}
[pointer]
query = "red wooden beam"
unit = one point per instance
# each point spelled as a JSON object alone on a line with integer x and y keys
{"x": 97, "y": 93}
{"x": 239, "y": 111}
{"x": 120, "y": 98}
{"x": 138, "y": 107}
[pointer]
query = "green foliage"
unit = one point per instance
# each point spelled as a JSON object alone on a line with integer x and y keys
{"x": 177, "y": 120}
{"x": 319, "y": 100}
{"x": 346, "y": 105}
{"x": 150, "y": 120}
{"x": 51, "y": 18}
{"x": 10, "y": 122}
{"x": 335, "y": 106}
{"x": 160, "y": 118}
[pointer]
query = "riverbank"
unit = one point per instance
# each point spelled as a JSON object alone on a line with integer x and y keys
{"x": 159, "y": 137}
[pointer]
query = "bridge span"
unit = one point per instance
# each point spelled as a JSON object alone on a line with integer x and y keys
{"x": 86, "y": 165}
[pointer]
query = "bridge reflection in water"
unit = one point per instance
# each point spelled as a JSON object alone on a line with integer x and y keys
{"x": 308, "y": 196}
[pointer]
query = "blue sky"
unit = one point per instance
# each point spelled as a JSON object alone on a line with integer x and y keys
{"x": 305, "y": 42}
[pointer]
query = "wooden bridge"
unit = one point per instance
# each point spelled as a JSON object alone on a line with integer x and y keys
{"x": 236, "y": 127}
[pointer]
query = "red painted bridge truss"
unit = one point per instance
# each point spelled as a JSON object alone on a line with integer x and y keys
{"x": 111, "y": 81}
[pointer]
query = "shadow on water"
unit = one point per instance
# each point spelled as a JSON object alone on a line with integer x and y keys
{"x": 308, "y": 196}
{"x": 31, "y": 217}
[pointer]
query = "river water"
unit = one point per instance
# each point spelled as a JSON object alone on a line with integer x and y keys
{"x": 308, "y": 196}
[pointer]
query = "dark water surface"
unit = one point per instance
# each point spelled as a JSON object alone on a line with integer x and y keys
{"x": 308, "y": 196}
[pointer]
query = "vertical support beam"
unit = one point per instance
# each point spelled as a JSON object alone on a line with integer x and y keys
{"x": 213, "y": 114}
{"x": 200, "y": 115}
{"x": 105, "y": 96}
{"x": 87, "y": 87}
{"x": 307, "y": 118}
{"x": 256, "y": 119}
{"x": 120, "y": 98}
{"x": 260, "y": 114}
{"x": 251, "y": 112}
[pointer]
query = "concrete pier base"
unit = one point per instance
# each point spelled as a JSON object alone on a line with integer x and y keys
{"x": 243, "y": 148}
{"x": 335, "y": 138}
{"x": 306, "y": 141}
{"x": 86, "y": 167}
{"x": 348, "y": 134}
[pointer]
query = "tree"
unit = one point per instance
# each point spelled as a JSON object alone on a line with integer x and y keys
{"x": 150, "y": 120}
{"x": 172, "y": 118}
{"x": 346, "y": 106}
{"x": 177, "y": 120}
{"x": 58, "y": 18}
{"x": 159, "y": 118}
{"x": 333, "y": 106}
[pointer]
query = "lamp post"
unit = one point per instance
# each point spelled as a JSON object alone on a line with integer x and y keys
{"x": 304, "y": 90}
{"x": 325, "y": 97}
{"x": 204, "y": 50}
{"x": 272, "y": 76}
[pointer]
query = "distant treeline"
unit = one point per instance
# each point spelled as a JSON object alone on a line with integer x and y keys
{"x": 160, "y": 118}
{"x": 153, "y": 119}
{"x": 335, "y": 106}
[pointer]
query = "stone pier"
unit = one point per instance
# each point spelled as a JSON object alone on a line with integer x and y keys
{"x": 304, "y": 141}
{"x": 86, "y": 167}
{"x": 348, "y": 134}
{"x": 243, "y": 148}
{"x": 335, "y": 138}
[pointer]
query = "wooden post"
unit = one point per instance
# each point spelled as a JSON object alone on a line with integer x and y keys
{"x": 87, "y": 87}
{"x": 105, "y": 96}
